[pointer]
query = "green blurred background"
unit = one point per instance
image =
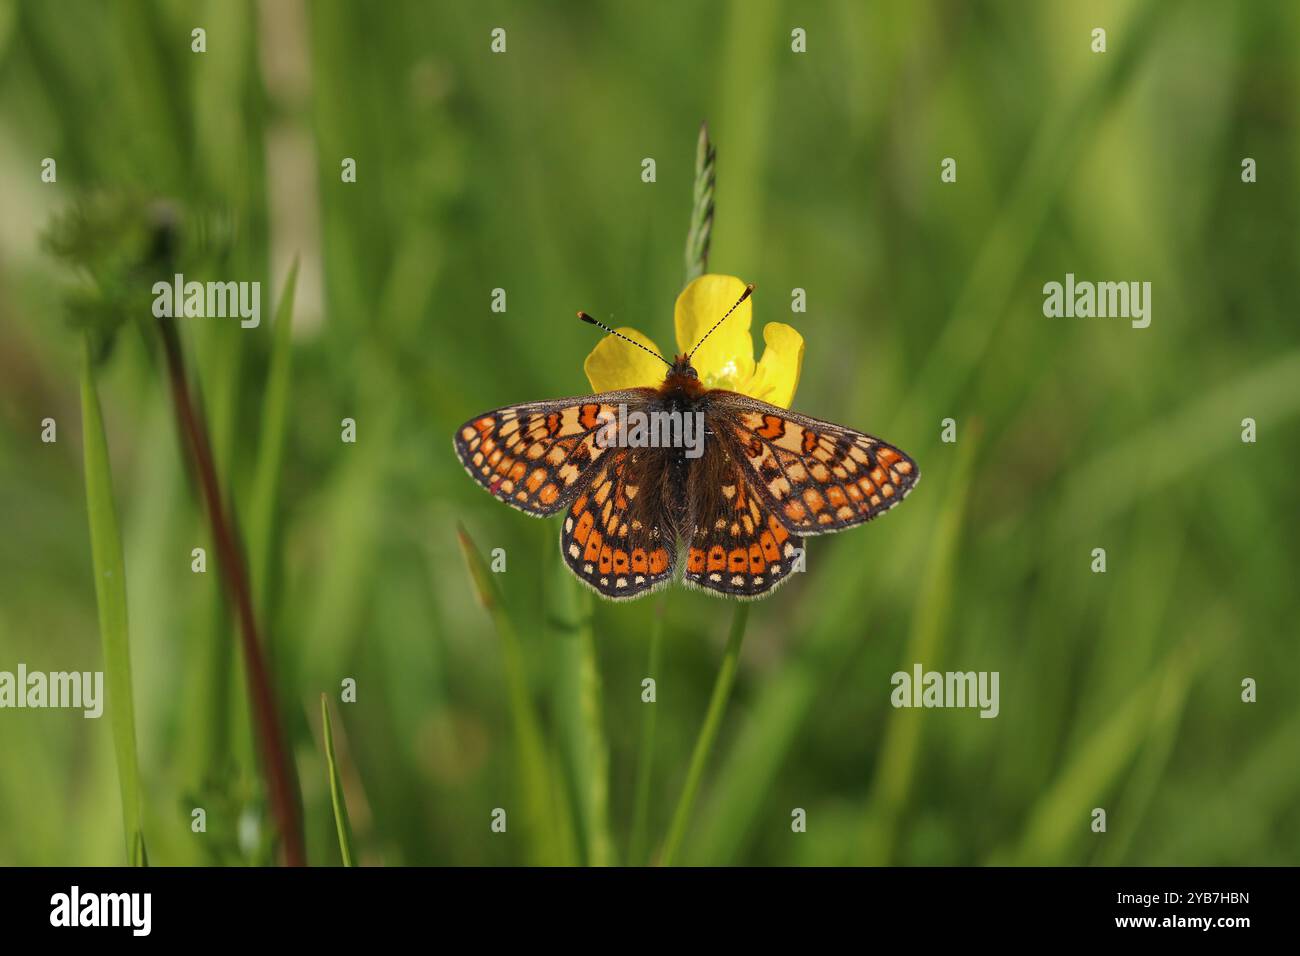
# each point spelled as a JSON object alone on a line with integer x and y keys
{"x": 521, "y": 171}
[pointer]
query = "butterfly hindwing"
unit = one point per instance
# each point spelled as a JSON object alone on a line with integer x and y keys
{"x": 817, "y": 476}
{"x": 605, "y": 541}
{"x": 537, "y": 457}
{"x": 739, "y": 548}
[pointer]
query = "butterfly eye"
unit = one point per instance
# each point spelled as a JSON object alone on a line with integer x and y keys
{"x": 691, "y": 373}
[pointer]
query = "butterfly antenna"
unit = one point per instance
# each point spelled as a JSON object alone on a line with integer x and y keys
{"x": 749, "y": 290}
{"x": 601, "y": 325}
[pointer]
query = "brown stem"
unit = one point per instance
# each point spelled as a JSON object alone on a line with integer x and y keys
{"x": 266, "y": 719}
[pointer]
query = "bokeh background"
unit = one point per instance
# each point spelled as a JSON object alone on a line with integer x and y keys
{"x": 521, "y": 171}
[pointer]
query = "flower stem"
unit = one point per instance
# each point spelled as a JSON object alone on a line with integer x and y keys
{"x": 708, "y": 733}
{"x": 645, "y": 757}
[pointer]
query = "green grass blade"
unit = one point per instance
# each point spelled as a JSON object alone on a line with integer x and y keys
{"x": 636, "y": 853}
{"x": 110, "y": 595}
{"x": 1060, "y": 819}
{"x": 341, "y": 821}
{"x": 708, "y": 733}
{"x": 270, "y": 450}
{"x": 896, "y": 764}
{"x": 578, "y": 714}
{"x": 536, "y": 785}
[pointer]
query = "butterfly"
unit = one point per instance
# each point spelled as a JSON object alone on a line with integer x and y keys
{"x": 727, "y": 502}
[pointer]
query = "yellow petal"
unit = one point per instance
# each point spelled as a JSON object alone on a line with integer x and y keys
{"x": 614, "y": 364}
{"x": 777, "y": 375}
{"x": 726, "y": 359}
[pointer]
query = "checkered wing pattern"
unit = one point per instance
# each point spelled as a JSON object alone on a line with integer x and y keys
{"x": 539, "y": 456}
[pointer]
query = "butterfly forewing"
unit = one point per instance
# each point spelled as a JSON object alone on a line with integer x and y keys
{"x": 537, "y": 457}
{"x": 817, "y": 476}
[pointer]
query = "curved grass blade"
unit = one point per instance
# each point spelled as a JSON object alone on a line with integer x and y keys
{"x": 110, "y": 596}
{"x": 341, "y": 821}
{"x": 535, "y": 784}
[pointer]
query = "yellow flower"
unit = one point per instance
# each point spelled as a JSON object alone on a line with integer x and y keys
{"x": 724, "y": 360}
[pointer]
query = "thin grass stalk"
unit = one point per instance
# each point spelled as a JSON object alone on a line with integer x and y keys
{"x": 537, "y": 788}
{"x": 342, "y": 823}
{"x": 281, "y": 781}
{"x": 110, "y": 595}
{"x": 636, "y": 853}
{"x": 708, "y": 733}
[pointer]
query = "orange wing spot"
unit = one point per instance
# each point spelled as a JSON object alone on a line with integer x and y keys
{"x": 777, "y": 529}
{"x": 606, "y": 563}
{"x": 887, "y": 490}
{"x": 594, "y": 541}
{"x": 867, "y": 487}
{"x": 878, "y": 475}
{"x": 756, "y": 563}
{"x": 814, "y": 499}
{"x": 639, "y": 562}
{"x": 835, "y": 494}
{"x": 768, "y": 543}
{"x": 844, "y": 513}
{"x": 820, "y": 472}
{"x": 887, "y": 456}
{"x": 517, "y": 470}
{"x": 717, "y": 558}
{"x": 494, "y": 457}
{"x": 738, "y": 560}
{"x": 795, "y": 511}
{"x": 810, "y": 439}
{"x": 854, "y": 492}
{"x": 695, "y": 560}
{"x": 825, "y": 518}
{"x": 484, "y": 425}
{"x": 505, "y": 465}
{"x": 589, "y": 416}
{"x": 621, "y": 561}
{"x": 772, "y": 429}
{"x": 658, "y": 561}
{"x": 548, "y": 494}
{"x": 553, "y": 423}
{"x": 535, "y": 479}
{"x": 467, "y": 433}
{"x": 903, "y": 468}
{"x": 585, "y": 523}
